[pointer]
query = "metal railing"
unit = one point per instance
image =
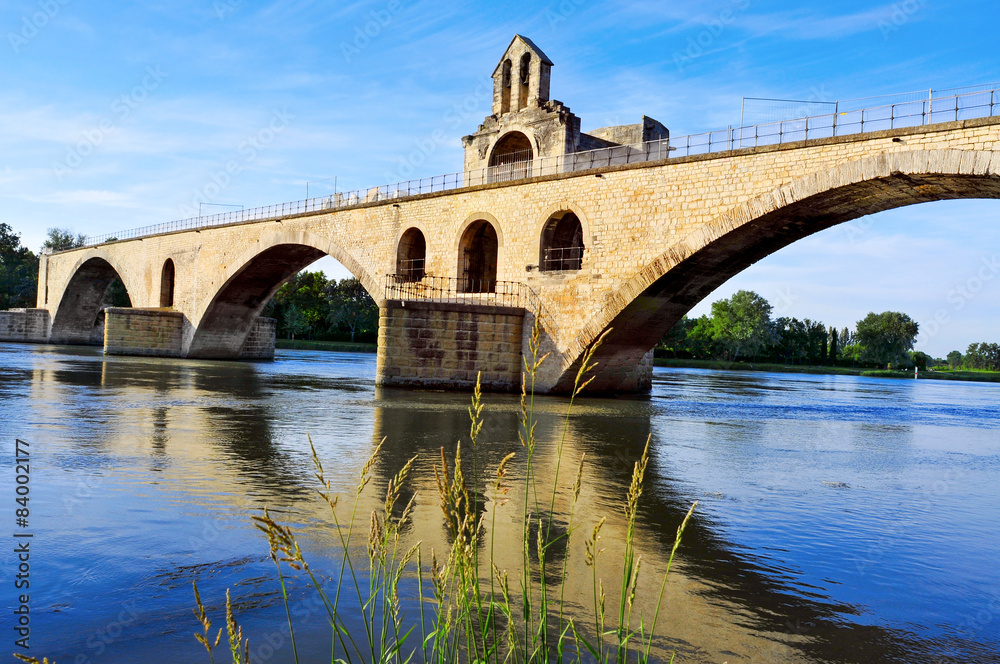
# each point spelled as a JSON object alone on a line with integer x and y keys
{"x": 461, "y": 291}
{"x": 562, "y": 258}
{"x": 913, "y": 113}
{"x": 411, "y": 269}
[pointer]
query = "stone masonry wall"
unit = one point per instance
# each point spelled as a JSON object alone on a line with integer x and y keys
{"x": 25, "y": 325}
{"x": 259, "y": 344}
{"x": 443, "y": 345}
{"x": 155, "y": 332}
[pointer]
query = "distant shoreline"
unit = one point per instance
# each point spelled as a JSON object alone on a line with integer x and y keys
{"x": 328, "y": 346}
{"x": 718, "y": 365}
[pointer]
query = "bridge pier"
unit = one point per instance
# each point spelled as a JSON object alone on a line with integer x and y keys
{"x": 159, "y": 332}
{"x": 445, "y": 345}
{"x": 25, "y": 325}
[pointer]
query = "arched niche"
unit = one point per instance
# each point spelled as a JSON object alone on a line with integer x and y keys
{"x": 477, "y": 259}
{"x": 561, "y": 246}
{"x": 411, "y": 256}
{"x": 167, "y": 284}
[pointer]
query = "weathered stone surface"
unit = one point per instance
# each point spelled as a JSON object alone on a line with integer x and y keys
{"x": 152, "y": 332}
{"x": 445, "y": 345}
{"x": 259, "y": 344}
{"x": 24, "y": 325}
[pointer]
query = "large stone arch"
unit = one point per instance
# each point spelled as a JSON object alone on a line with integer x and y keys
{"x": 76, "y": 316}
{"x": 656, "y": 297}
{"x": 223, "y": 323}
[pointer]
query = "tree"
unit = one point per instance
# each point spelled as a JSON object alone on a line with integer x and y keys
{"x": 62, "y": 239}
{"x": 834, "y": 350}
{"x": 351, "y": 307}
{"x": 294, "y": 321}
{"x": 886, "y": 337}
{"x": 742, "y": 324}
{"x": 954, "y": 359}
{"x": 18, "y": 272}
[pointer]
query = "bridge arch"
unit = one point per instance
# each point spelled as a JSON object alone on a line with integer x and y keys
{"x": 658, "y": 295}
{"x": 249, "y": 282}
{"x": 78, "y": 317}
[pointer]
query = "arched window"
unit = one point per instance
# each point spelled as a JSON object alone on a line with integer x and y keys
{"x": 562, "y": 243}
{"x": 411, "y": 256}
{"x": 525, "y": 78}
{"x": 478, "y": 258}
{"x": 511, "y": 158}
{"x": 167, "y": 284}
{"x": 505, "y": 87}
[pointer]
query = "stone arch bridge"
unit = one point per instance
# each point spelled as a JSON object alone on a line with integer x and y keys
{"x": 461, "y": 275}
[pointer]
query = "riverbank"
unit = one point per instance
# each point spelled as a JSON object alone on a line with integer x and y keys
{"x": 330, "y": 346}
{"x": 720, "y": 365}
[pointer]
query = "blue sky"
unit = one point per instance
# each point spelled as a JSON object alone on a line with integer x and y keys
{"x": 115, "y": 115}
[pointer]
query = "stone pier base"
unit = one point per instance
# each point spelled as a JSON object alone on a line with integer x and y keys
{"x": 444, "y": 345}
{"x": 24, "y": 325}
{"x": 259, "y": 344}
{"x": 153, "y": 332}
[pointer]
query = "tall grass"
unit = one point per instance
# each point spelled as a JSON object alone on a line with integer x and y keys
{"x": 469, "y": 609}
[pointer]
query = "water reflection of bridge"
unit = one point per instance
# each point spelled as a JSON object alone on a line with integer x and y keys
{"x": 230, "y": 421}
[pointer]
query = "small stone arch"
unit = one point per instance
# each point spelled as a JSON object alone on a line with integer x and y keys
{"x": 524, "y": 79}
{"x": 79, "y": 317}
{"x": 250, "y": 281}
{"x": 167, "y": 284}
{"x": 561, "y": 244}
{"x": 411, "y": 256}
{"x": 511, "y": 158}
{"x": 478, "y": 257}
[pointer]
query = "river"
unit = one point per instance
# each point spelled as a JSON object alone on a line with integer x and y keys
{"x": 840, "y": 518}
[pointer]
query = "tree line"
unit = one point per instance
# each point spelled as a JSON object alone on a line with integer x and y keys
{"x": 978, "y": 357}
{"x": 741, "y": 328}
{"x": 310, "y": 306}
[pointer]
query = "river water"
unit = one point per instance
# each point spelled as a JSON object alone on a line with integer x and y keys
{"x": 840, "y": 519}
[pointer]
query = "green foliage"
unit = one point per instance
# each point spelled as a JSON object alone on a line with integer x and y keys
{"x": 294, "y": 321}
{"x": 742, "y": 324}
{"x": 62, "y": 239}
{"x": 886, "y": 337}
{"x": 982, "y": 357}
{"x": 18, "y": 272}
{"x": 351, "y": 307}
{"x": 332, "y": 311}
{"x": 921, "y": 360}
{"x": 954, "y": 359}
{"x": 834, "y": 351}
